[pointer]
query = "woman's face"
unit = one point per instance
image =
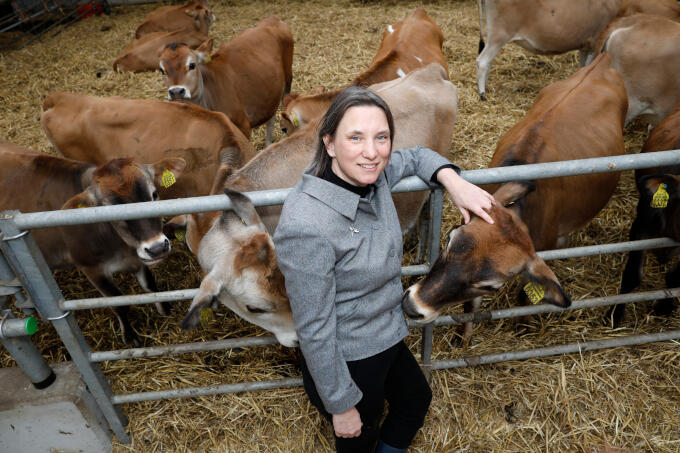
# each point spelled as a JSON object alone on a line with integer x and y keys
{"x": 361, "y": 146}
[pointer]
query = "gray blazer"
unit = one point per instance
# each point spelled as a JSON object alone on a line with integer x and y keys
{"x": 341, "y": 258}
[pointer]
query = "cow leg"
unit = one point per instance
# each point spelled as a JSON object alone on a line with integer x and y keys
{"x": 106, "y": 286}
{"x": 666, "y": 306}
{"x": 493, "y": 46}
{"x": 269, "y": 133}
{"x": 148, "y": 283}
{"x": 632, "y": 275}
{"x": 466, "y": 329}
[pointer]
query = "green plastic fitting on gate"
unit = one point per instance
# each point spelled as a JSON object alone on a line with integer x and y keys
{"x": 31, "y": 325}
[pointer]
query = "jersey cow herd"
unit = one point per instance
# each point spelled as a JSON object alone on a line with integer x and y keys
{"x": 115, "y": 150}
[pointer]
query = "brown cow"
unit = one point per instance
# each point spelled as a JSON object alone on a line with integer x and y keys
{"x": 96, "y": 129}
{"x": 194, "y": 16}
{"x": 143, "y": 54}
{"x": 666, "y": 8}
{"x": 655, "y": 218}
{"x": 580, "y": 117}
{"x": 412, "y": 43}
{"x": 246, "y": 78}
{"x": 546, "y": 27}
{"x": 645, "y": 49}
{"x": 32, "y": 182}
{"x": 233, "y": 247}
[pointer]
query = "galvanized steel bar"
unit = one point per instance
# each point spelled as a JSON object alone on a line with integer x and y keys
{"x": 183, "y": 348}
{"x": 28, "y": 264}
{"x": 420, "y": 269}
{"x": 530, "y": 310}
{"x": 274, "y": 197}
{"x": 557, "y": 350}
{"x": 210, "y": 390}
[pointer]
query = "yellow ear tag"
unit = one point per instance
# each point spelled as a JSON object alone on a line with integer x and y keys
{"x": 660, "y": 198}
{"x": 534, "y": 291}
{"x": 206, "y": 316}
{"x": 168, "y": 178}
{"x": 206, "y": 59}
{"x": 296, "y": 123}
{"x": 180, "y": 234}
{"x": 80, "y": 205}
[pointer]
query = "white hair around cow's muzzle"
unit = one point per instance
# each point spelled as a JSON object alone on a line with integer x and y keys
{"x": 178, "y": 93}
{"x": 153, "y": 250}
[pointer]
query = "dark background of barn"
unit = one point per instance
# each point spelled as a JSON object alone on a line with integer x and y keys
{"x": 624, "y": 397}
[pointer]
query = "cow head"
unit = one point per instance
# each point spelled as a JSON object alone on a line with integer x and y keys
{"x": 202, "y": 17}
{"x": 180, "y": 66}
{"x": 242, "y": 273}
{"x": 479, "y": 258}
{"x": 659, "y": 206}
{"x": 122, "y": 181}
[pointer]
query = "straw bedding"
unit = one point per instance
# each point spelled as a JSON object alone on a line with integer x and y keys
{"x": 623, "y": 397}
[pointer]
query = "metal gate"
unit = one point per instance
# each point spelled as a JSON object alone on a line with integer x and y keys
{"x": 28, "y": 265}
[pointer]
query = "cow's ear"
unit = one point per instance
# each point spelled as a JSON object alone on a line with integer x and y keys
{"x": 290, "y": 97}
{"x": 206, "y": 298}
{"x": 204, "y": 50}
{"x": 81, "y": 200}
{"x": 543, "y": 286}
{"x": 649, "y": 185}
{"x": 242, "y": 207}
{"x": 511, "y": 192}
{"x": 319, "y": 89}
{"x": 167, "y": 171}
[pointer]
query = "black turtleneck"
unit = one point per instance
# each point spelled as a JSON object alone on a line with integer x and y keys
{"x": 330, "y": 176}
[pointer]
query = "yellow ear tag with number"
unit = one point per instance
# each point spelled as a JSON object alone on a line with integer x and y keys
{"x": 168, "y": 178}
{"x": 534, "y": 291}
{"x": 206, "y": 316}
{"x": 180, "y": 234}
{"x": 660, "y": 198}
{"x": 296, "y": 123}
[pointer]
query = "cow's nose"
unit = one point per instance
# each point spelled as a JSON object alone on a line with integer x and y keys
{"x": 407, "y": 306}
{"x": 177, "y": 92}
{"x": 158, "y": 248}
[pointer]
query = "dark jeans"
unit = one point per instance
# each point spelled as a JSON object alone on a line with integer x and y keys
{"x": 392, "y": 375}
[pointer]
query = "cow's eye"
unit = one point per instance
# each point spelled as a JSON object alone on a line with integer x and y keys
{"x": 252, "y": 309}
{"x": 154, "y": 195}
{"x": 192, "y": 66}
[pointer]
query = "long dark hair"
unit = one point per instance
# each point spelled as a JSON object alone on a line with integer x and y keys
{"x": 349, "y": 97}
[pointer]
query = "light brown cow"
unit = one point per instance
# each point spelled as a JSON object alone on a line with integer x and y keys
{"x": 545, "y": 27}
{"x": 412, "y": 43}
{"x": 96, "y": 129}
{"x": 234, "y": 248}
{"x": 580, "y": 117}
{"x": 143, "y": 54}
{"x": 645, "y": 49}
{"x": 424, "y": 105}
{"x": 195, "y": 16}
{"x": 32, "y": 182}
{"x": 246, "y": 78}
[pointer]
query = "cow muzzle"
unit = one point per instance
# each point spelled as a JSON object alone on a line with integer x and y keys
{"x": 178, "y": 93}
{"x": 414, "y": 308}
{"x": 154, "y": 250}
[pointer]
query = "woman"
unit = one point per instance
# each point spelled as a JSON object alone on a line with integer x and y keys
{"x": 339, "y": 246}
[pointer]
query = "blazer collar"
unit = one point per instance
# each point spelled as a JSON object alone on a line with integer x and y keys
{"x": 341, "y": 200}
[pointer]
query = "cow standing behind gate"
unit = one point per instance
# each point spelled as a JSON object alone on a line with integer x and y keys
{"x": 580, "y": 117}
{"x": 412, "y": 43}
{"x": 32, "y": 182}
{"x": 245, "y": 79}
{"x": 658, "y": 215}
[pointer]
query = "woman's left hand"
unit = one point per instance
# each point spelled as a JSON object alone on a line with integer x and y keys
{"x": 466, "y": 196}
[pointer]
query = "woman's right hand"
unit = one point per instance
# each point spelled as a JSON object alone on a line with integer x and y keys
{"x": 347, "y": 424}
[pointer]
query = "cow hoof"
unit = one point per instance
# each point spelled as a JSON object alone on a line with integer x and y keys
{"x": 482, "y": 96}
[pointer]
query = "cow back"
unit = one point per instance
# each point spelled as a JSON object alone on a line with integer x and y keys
{"x": 95, "y": 129}
{"x": 577, "y": 118}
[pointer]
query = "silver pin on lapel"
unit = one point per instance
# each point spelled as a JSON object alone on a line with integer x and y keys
{"x": 353, "y": 230}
